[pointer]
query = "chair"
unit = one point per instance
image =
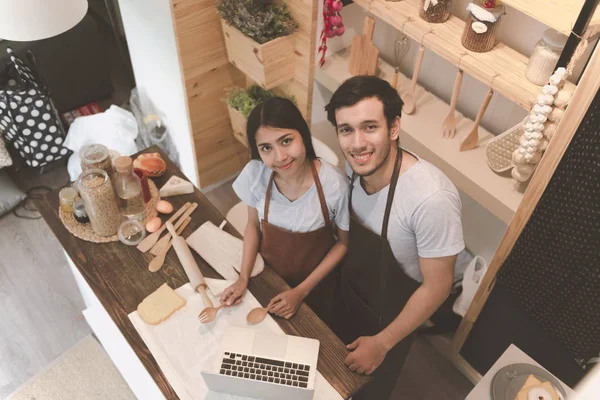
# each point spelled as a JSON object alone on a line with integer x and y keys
{"x": 238, "y": 214}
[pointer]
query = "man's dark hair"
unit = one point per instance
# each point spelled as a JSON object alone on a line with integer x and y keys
{"x": 363, "y": 87}
{"x": 281, "y": 113}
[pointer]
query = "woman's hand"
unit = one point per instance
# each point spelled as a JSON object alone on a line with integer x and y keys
{"x": 286, "y": 304}
{"x": 233, "y": 295}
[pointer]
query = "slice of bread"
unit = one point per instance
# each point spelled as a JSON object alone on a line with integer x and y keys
{"x": 160, "y": 305}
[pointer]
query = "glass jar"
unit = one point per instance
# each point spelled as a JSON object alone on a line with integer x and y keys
{"x": 435, "y": 11}
{"x": 545, "y": 56}
{"x": 96, "y": 156}
{"x": 481, "y": 27}
{"x": 79, "y": 212}
{"x": 67, "y": 197}
{"x": 131, "y": 232}
{"x": 97, "y": 192}
{"x": 129, "y": 190}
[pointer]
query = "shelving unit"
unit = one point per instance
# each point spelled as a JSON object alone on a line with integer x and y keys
{"x": 445, "y": 40}
{"x": 557, "y": 14}
{"x": 422, "y": 133}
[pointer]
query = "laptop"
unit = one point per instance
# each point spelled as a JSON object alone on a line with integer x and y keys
{"x": 264, "y": 365}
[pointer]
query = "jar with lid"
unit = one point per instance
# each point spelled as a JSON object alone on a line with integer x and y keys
{"x": 545, "y": 56}
{"x": 79, "y": 212}
{"x": 97, "y": 192}
{"x": 67, "y": 197}
{"x": 435, "y": 11}
{"x": 481, "y": 26}
{"x": 129, "y": 190}
{"x": 96, "y": 156}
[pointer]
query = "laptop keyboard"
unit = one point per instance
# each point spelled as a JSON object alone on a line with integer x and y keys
{"x": 265, "y": 370}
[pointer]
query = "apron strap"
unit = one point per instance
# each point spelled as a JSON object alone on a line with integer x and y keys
{"x": 319, "y": 192}
{"x": 391, "y": 192}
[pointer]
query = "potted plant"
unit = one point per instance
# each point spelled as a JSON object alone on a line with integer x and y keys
{"x": 240, "y": 102}
{"x": 259, "y": 39}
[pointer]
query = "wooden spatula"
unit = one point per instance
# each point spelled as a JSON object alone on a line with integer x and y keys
{"x": 364, "y": 55}
{"x": 472, "y": 138}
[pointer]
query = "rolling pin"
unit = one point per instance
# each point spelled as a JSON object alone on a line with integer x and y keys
{"x": 189, "y": 265}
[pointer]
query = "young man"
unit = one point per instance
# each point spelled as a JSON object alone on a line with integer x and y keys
{"x": 405, "y": 234}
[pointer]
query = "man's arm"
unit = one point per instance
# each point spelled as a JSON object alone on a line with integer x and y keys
{"x": 438, "y": 274}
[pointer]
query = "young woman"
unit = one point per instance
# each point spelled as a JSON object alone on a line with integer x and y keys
{"x": 294, "y": 202}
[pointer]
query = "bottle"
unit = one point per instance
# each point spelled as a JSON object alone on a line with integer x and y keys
{"x": 545, "y": 56}
{"x": 129, "y": 190}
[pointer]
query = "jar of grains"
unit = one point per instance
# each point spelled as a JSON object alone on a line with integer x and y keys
{"x": 97, "y": 192}
{"x": 96, "y": 156}
{"x": 481, "y": 26}
{"x": 545, "y": 56}
{"x": 435, "y": 11}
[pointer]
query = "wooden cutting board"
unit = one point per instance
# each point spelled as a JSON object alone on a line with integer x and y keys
{"x": 364, "y": 55}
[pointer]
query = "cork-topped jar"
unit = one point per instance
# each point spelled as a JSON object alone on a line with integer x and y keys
{"x": 435, "y": 11}
{"x": 482, "y": 26}
{"x": 96, "y": 156}
{"x": 545, "y": 56}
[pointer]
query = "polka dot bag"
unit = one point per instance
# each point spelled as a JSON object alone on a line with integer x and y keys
{"x": 28, "y": 120}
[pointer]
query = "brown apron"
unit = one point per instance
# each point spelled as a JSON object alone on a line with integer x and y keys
{"x": 294, "y": 255}
{"x": 375, "y": 289}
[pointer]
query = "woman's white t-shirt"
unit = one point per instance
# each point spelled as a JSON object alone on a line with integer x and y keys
{"x": 303, "y": 214}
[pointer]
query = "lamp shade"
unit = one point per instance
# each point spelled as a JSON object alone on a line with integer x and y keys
{"x": 27, "y": 20}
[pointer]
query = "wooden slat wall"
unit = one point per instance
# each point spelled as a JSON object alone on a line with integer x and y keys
{"x": 206, "y": 73}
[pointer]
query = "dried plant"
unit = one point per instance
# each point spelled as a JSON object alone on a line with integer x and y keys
{"x": 259, "y": 20}
{"x": 244, "y": 100}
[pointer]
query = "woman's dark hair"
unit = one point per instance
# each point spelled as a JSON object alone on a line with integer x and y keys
{"x": 363, "y": 87}
{"x": 280, "y": 113}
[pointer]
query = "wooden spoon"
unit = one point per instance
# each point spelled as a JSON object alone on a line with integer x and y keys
{"x": 410, "y": 103}
{"x": 472, "y": 139}
{"x": 257, "y": 315}
{"x": 158, "y": 261}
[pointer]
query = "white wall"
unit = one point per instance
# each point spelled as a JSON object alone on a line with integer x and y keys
{"x": 151, "y": 40}
{"x": 482, "y": 230}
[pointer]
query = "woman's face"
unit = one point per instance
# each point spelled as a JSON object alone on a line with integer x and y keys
{"x": 282, "y": 150}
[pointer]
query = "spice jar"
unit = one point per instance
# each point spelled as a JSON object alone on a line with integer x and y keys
{"x": 96, "y": 156}
{"x": 481, "y": 26}
{"x": 79, "y": 212}
{"x": 545, "y": 56}
{"x": 66, "y": 197}
{"x": 435, "y": 11}
{"x": 97, "y": 192}
{"x": 129, "y": 190}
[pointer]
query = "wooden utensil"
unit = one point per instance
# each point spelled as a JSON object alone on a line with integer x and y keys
{"x": 189, "y": 265}
{"x": 159, "y": 246}
{"x": 256, "y": 315}
{"x": 364, "y": 55}
{"x": 410, "y": 102}
{"x": 472, "y": 138}
{"x": 449, "y": 125}
{"x": 158, "y": 261}
{"x": 209, "y": 314}
{"x": 150, "y": 240}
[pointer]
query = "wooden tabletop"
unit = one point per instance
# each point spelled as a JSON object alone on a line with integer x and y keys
{"x": 119, "y": 276}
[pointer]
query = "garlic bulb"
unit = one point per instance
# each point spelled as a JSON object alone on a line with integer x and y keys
{"x": 550, "y": 89}
{"x": 556, "y": 114}
{"x": 518, "y": 158}
{"x": 563, "y": 97}
{"x": 545, "y": 99}
{"x": 544, "y": 144}
{"x": 519, "y": 176}
{"x": 549, "y": 130}
{"x": 555, "y": 80}
{"x": 526, "y": 169}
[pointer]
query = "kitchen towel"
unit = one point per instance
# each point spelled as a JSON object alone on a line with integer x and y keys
{"x": 183, "y": 347}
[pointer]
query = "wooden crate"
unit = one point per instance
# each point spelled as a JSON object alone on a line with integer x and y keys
{"x": 270, "y": 64}
{"x": 238, "y": 123}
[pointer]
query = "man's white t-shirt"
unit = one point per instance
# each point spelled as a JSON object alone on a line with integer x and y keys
{"x": 425, "y": 220}
{"x": 303, "y": 214}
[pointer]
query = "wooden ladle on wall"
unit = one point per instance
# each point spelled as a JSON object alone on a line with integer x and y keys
{"x": 408, "y": 98}
{"x": 472, "y": 138}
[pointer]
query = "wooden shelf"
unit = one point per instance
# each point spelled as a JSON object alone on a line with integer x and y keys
{"x": 557, "y": 14}
{"x": 445, "y": 40}
{"x": 421, "y": 133}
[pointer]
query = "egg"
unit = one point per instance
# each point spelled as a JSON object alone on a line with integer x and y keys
{"x": 153, "y": 224}
{"x": 164, "y": 207}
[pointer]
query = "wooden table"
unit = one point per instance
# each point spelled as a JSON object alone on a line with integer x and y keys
{"x": 118, "y": 276}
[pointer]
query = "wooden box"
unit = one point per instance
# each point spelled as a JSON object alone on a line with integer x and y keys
{"x": 238, "y": 123}
{"x": 269, "y": 64}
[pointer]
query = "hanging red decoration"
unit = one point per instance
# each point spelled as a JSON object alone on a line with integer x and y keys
{"x": 332, "y": 25}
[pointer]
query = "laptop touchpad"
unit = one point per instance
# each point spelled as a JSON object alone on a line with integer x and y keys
{"x": 269, "y": 345}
